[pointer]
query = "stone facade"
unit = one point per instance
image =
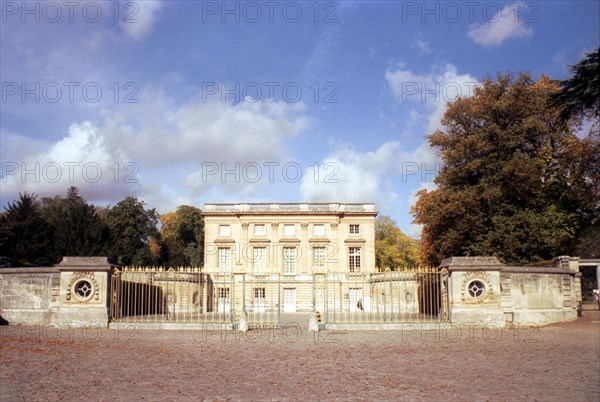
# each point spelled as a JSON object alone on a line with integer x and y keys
{"x": 289, "y": 239}
{"x": 291, "y": 245}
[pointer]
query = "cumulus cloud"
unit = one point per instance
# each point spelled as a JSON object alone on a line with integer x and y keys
{"x": 504, "y": 25}
{"x": 433, "y": 91}
{"x": 348, "y": 175}
{"x": 156, "y": 151}
{"x": 139, "y": 17}
{"x": 79, "y": 159}
{"x": 415, "y": 230}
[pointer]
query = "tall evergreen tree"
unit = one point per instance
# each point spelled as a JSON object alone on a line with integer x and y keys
{"x": 24, "y": 234}
{"x": 579, "y": 100}
{"x": 579, "y": 95}
{"x": 78, "y": 229}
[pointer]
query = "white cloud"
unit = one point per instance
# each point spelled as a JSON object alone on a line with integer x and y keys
{"x": 80, "y": 159}
{"x": 206, "y": 131}
{"x": 384, "y": 176}
{"x": 423, "y": 46}
{"x": 156, "y": 151}
{"x": 505, "y": 24}
{"x": 351, "y": 176}
{"x": 415, "y": 230}
{"x": 139, "y": 17}
{"x": 434, "y": 90}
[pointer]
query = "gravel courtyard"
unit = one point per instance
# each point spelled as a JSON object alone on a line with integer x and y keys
{"x": 556, "y": 362}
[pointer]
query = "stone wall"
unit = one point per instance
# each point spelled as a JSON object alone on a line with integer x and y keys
{"x": 29, "y": 295}
{"x": 480, "y": 290}
{"x": 483, "y": 290}
{"x": 74, "y": 293}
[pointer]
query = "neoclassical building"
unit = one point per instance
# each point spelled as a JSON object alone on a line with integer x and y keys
{"x": 283, "y": 248}
{"x": 289, "y": 239}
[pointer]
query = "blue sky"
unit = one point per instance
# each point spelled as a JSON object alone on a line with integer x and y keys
{"x": 185, "y": 102}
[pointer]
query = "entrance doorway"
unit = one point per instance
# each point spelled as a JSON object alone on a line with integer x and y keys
{"x": 289, "y": 300}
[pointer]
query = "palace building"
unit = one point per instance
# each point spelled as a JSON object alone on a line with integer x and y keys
{"x": 281, "y": 249}
{"x": 289, "y": 239}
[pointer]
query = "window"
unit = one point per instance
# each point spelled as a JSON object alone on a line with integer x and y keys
{"x": 223, "y": 301}
{"x": 319, "y": 230}
{"x": 289, "y": 230}
{"x": 224, "y": 230}
{"x": 259, "y": 230}
{"x": 289, "y": 260}
{"x": 260, "y": 302}
{"x": 354, "y": 229}
{"x": 224, "y": 259}
{"x": 223, "y": 293}
{"x": 354, "y": 259}
{"x": 319, "y": 258}
{"x": 260, "y": 259}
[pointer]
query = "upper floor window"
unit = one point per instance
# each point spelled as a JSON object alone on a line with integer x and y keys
{"x": 354, "y": 259}
{"x": 260, "y": 259}
{"x": 289, "y": 230}
{"x": 260, "y": 230}
{"x": 354, "y": 229}
{"x": 319, "y": 258}
{"x": 319, "y": 230}
{"x": 224, "y": 230}
{"x": 290, "y": 259}
{"x": 224, "y": 259}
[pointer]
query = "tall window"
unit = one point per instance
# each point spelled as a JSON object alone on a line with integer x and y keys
{"x": 319, "y": 258}
{"x": 354, "y": 229}
{"x": 289, "y": 260}
{"x": 224, "y": 259}
{"x": 259, "y": 230}
{"x": 224, "y": 230}
{"x": 319, "y": 230}
{"x": 289, "y": 230}
{"x": 260, "y": 259}
{"x": 354, "y": 259}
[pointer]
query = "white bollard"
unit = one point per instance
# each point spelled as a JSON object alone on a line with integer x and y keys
{"x": 313, "y": 324}
{"x": 243, "y": 326}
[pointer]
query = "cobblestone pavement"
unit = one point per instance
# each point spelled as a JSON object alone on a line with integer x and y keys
{"x": 556, "y": 362}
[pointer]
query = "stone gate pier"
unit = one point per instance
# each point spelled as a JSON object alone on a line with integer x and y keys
{"x": 483, "y": 290}
{"x": 73, "y": 293}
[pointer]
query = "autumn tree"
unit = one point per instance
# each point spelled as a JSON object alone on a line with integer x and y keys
{"x": 513, "y": 183}
{"x": 25, "y": 236}
{"x": 182, "y": 235}
{"x": 393, "y": 249}
{"x": 579, "y": 101}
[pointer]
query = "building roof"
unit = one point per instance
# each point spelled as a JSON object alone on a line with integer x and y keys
{"x": 354, "y": 209}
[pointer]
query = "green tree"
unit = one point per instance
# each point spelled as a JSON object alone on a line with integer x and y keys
{"x": 393, "y": 249}
{"x": 24, "y": 234}
{"x": 131, "y": 227}
{"x": 514, "y": 183}
{"x": 77, "y": 227}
